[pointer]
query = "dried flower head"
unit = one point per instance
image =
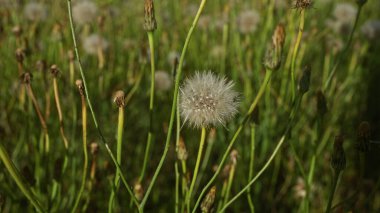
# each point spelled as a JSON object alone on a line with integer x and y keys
{"x": 80, "y": 86}
{"x": 247, "y": 21}
{"x": 85, "y": 12}
{"x": 304, "y": 82}
{"x": 54, "y": 70}
{"x": 34, "y": 11}
{"x": 26, "y": 77}
{"x": 119, "y": 98}
{"x": 150, "y": 23}
{"x": 138, "y": 191}
{"x": 207, "y": 100}
{"x": 303, "y": 4}
{"x": 163, "y": 80}
{"x": 363, "y": 138}
{"x": 338, "y": 157}
{"x": 93, "y": 43}
{"x": 208, "y": 201}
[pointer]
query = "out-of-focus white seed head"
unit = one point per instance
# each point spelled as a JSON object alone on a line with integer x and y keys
{"x": 93, "y": 43}
{"x": 34, "y": 11}
{"x": 85, "y": 12}
{"x": 207, "y": 100}
{"x": 247, "y": 21}
{"x": 163, "y": 80}
{"x": 371, "y": 29}
{"x": 345, "y": 13}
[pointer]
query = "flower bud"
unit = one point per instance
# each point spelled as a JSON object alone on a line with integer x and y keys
{"x": 304, "y": 83}
{"x": 273, "y": 55}
{"x": 208, "y": 201}
{"x": 363, "y": 138}
{"x": 150, "y": 21}
{"x": 338, "y": 157}
{"x": 181, "y": 150}
{"x": 80, "y": 86}
{"x": 119, "y": 98}
{"x": 321, "y": 104}
{"x": 54, "y": 70}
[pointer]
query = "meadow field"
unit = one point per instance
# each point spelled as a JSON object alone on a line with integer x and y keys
{"x": 189, "y": 106}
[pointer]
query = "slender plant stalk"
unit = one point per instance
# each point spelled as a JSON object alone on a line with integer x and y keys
{"x": 16, "y": 176}
{"x": 229, "y": 183}
{"x": 233, "y": 140}
{"x": 277, "y": 148}
{"x": 251, "y": 166}
{"x": 174, "y": 104}
{"x": 151, "y": 105}
{"x": 116, "y": 183}
{"x": 60, "y": 117}
{"x": 343, "y": 54}
{"x": 85, "y": 154}
{"x": 333, "y": 189}
{"x": 205, "y": 161}
{"x": 90, "y": 106}
{"x": 196, "y": 169}
{"x": 176, "y": 187}
{"x": 295, "y": 51}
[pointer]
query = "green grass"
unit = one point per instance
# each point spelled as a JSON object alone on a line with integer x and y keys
{"x": 284, "y": 153}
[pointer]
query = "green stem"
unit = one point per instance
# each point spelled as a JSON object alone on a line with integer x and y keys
{"x": 151, "y": 104}
{"x": 196, "y": 169}
{"x": 344, "y": 52}
{"x": 251, "y": 166}
{"x": 233, "y": 140}
{"x": 120, "y": 128}
{"x": 277, "y": 148}
{"x": 69, "y": 8}
{"x": 18, "y": 179}
{"x": 333, "y": 189}
{"x": 295, "y": 51}
{"x": 174, "y": 104}
{"x": 85, "y": 163}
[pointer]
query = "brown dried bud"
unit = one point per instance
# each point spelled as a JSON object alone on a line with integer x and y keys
{"x": 138, "y": 191}
{"x": 150, "y": 21}
{"x": 363, "y": 138}
{"x": 80, "y": 86}
{"x": 321, "y": 103}
{"x": 278, "y": 37}
{"x": 338, "y": 157}
{"x": 181, "y": 150}
{"x": 17, "y": 30}
{"x": 54, "y": 70}
{"x": 119, "y": 98}
{"x": 26, "y": 77}
{"x": 94, "y": 148}
{"x": 304, "y": 82}
{"x": 208, "y": 201}
{"x": 233, "y": 156}
{"x": 71, "y": 56}
{"x": 20, "y": 55}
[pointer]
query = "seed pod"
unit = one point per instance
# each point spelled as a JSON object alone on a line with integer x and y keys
{"x": 20, "y": 55}
{"x": 26, "y": 77}
{"x": 208, "y": 201}
{"x": 80, "y": 86}
{"x": 363, "y": 138}
{"x": 338, "y": 157}
{"x": 182, "y": 152}
{"x": 321, "y": 104}
{"x": 304, "y": 82}
{"x": 119, "y": 98}
{"x": 138, "y": 191}
{"x": 150, "y": 21}
{"x": 54, "y": 70}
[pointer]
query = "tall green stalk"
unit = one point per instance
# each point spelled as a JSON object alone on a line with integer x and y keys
{"x": 85, "y": 154}
{"x": 196, "y": 169}
{"x": 295, "y": 51}
{"x": 151, "y": 104}
{"x": 18, "y": 179}
{"x": 69, "y": 8}
{"x": 174, "y": 104}
{"x": 251, "y": 166}
{"x": 235, "y": 136}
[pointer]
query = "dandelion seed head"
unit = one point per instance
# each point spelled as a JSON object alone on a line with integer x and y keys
{"x": 162, "y": 80}
{"x": 93, "y": 43}
{"x": 85, "y": 12}
{"x": 247, "y": 21}
{"x": 345, "y": 13}
{"x": 207, "y": 100}
{"x": 371, "y": 29}
{"x": 34, "y": 11}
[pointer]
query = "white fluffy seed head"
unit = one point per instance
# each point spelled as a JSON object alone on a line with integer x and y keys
{"x": 371, "y": 29}
{"x": 85, "y": 12}
{"x": 162, "y": 80}
{"x": 345, "y": 13}
{"x": 93, "y": 43}
{"x": 34, "y": 11}
{"x": 247, "y": 21}
{"x": 207, "y": 100}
